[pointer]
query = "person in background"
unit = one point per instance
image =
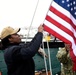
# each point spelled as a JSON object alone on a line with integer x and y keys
{"x": 42, "y": 52}
{"x": 18, "y": 55}
{"x": 63, "y": 55}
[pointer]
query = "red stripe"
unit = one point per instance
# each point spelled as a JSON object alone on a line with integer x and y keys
{"x": 46, "y": 28}
{"x": 73, "y": 57}
{"x": 63, "y": 16}
{"x": 48, "y": 18}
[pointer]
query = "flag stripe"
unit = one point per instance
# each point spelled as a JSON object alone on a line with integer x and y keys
{"x": 64, "y": 11}
{"x": 60, "y": 20}
{"x": 61, "y": 27}
{"x": 58, "y": 30}
{"x": 55, "y": 33}
{"x": 63, "y": 22}
{"x": 61, "y": 15}
{"x": 52, "y": 29}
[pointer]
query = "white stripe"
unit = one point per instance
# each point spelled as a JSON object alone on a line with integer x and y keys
{"x": 64, "y": 11}
{"x": 74, "y": 33}
{"x": 58, "y": 19}
{"x": 59, "y": 31}
{"x": 73, "y": 19}
{"x": 61, "y": 21}
{"x": 74, "y": 51}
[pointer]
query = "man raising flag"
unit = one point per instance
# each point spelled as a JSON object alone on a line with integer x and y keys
{"x": 60, "y": 21}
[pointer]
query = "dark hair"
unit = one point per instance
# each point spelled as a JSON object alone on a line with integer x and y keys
{"x": 0, "y": 46}
{"x": 5, "y": 42}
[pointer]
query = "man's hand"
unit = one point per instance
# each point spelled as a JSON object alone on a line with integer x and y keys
{"x": 40, "y": 28}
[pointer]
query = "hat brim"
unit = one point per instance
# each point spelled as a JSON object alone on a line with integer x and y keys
{"x": 16, "y": 31}
{"x": 8, "y": 31}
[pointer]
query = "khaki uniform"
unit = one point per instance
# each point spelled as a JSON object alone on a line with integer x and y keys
{"x": 66, "y": 62}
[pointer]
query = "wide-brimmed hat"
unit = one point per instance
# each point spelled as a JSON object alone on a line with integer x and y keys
{"x": 8, "y": 31}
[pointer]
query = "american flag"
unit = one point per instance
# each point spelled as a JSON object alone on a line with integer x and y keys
{"x": 60, "y": 21}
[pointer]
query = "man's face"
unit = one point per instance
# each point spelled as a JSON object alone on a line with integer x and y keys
{"x": 68, "y": 46}
{"x": 15, "y": 38}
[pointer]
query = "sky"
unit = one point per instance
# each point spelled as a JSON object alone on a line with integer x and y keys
{"x": 23, "y": 13}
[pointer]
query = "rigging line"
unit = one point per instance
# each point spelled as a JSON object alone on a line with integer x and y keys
{"x": 32, "y": 21}
{"x": 45, "y": 59}
{"x": 48, "y": 47}
{"x": 49, "y": 57}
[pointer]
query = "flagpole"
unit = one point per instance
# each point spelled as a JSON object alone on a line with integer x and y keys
{"x": 29, "y": 31}
{"x": 32, "y": 21}
{"x": 49, "y": 58}
{"x": 48, "y": 44}
{"x": 45, "y": 59}
{"x": 49, "y": 55}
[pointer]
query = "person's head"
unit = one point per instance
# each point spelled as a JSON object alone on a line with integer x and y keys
{"x": 9, "y": 35}
{"x": 67, "y": 46}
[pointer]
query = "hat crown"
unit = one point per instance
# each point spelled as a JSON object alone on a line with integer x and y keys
{"x": 8, "y": 31}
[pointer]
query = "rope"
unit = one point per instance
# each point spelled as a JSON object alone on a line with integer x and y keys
{"x": 49, "y": 58}
{"x": 32, "y": 21}
{"x": 28, "y": 35}
{"x": 45, "y": 60}
{"x": 43, "y": 44}
{"x": 48, "y": 44}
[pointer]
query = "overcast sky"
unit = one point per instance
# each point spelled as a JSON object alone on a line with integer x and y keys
{"x": 22, "y": 13}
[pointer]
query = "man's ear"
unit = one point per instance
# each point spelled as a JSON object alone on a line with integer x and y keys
{"x": 10, "y": 39}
